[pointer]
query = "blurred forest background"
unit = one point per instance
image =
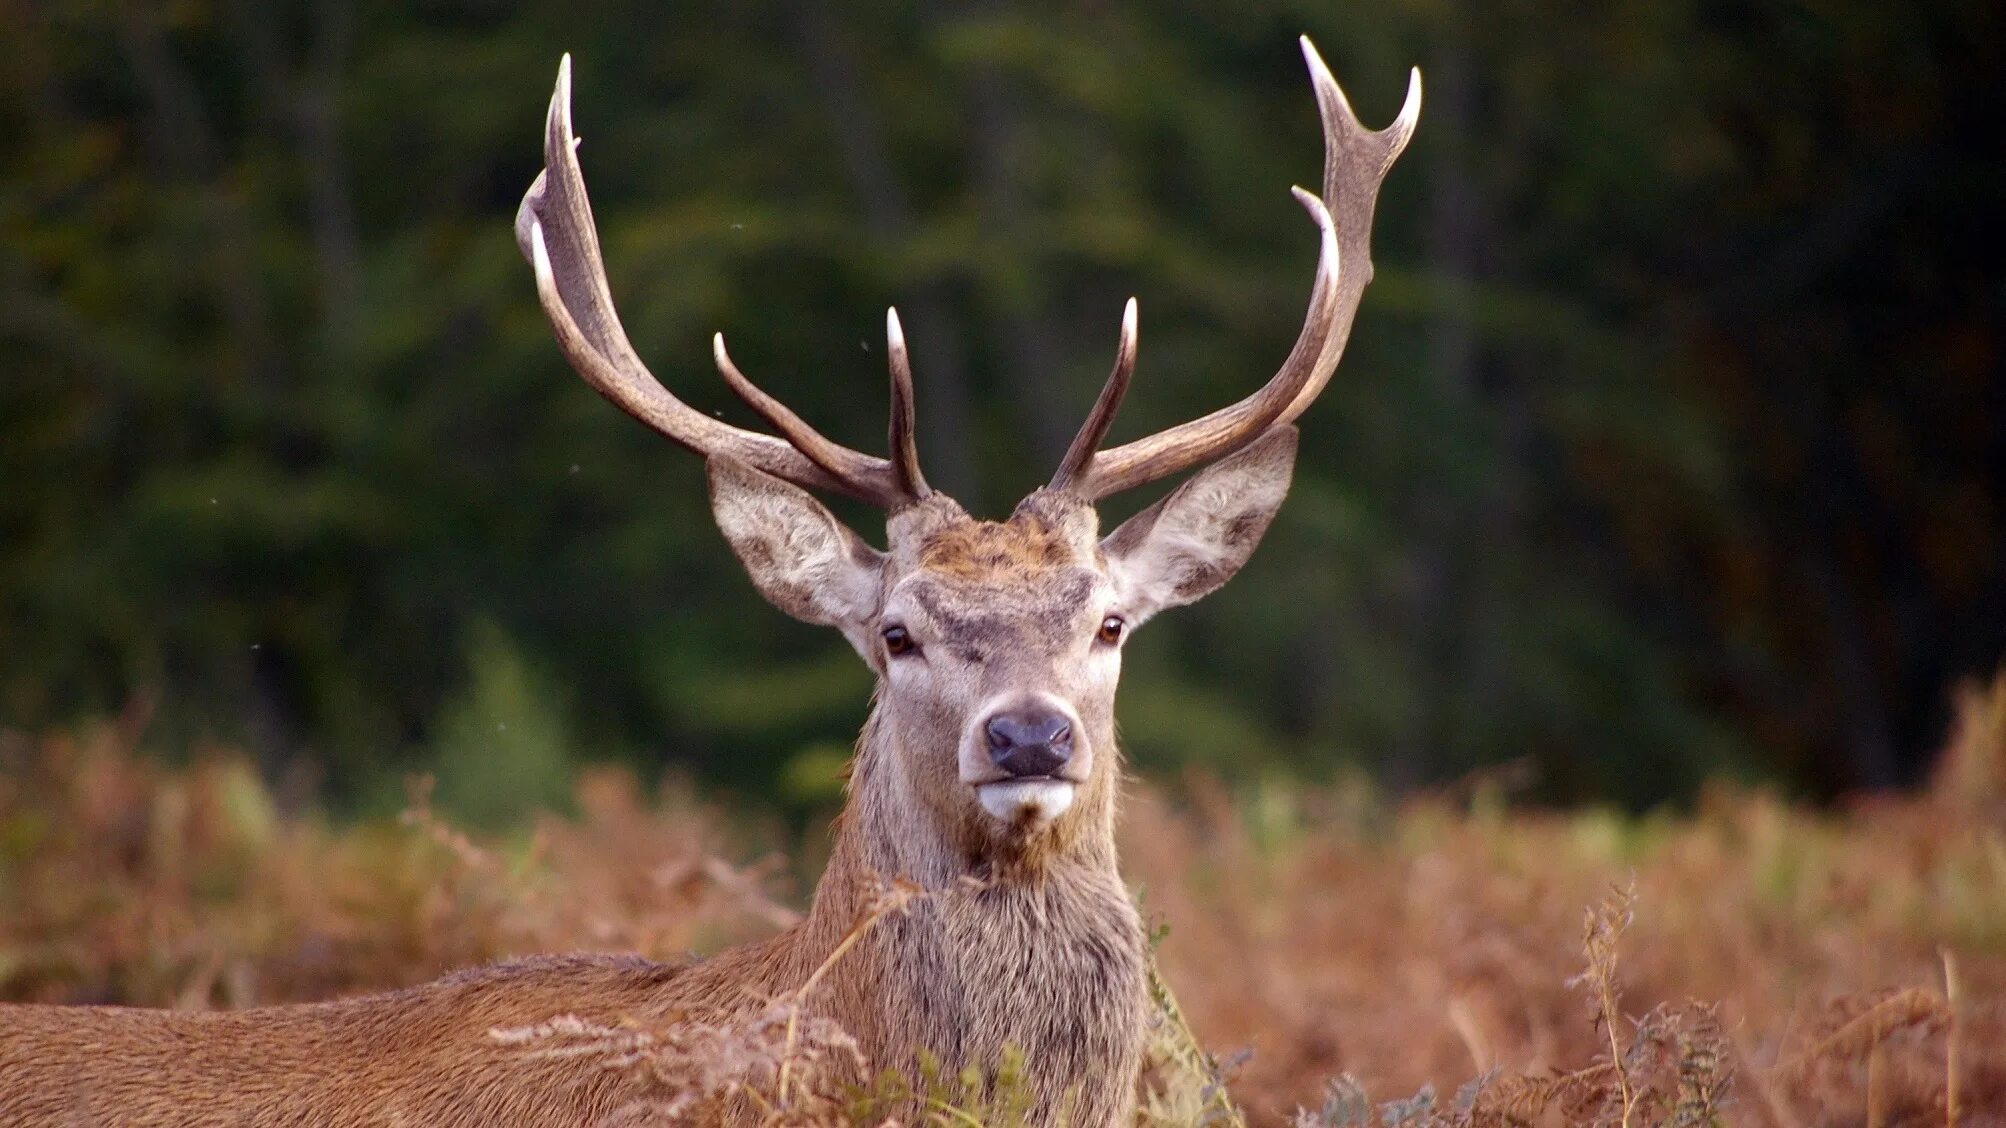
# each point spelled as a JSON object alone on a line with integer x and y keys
{"x": 1671, "y": 442}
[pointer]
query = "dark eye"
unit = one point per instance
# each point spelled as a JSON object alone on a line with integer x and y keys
{"x": 898, "y": 642}
{"x": 1111, "y": 628}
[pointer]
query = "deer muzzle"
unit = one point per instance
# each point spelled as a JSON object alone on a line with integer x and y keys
{"x": 1032, "y": 772}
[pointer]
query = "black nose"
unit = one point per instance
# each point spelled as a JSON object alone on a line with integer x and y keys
{"x": 1029, "y": 742}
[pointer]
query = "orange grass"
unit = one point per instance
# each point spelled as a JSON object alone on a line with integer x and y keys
{"x": 1842, "y": 967}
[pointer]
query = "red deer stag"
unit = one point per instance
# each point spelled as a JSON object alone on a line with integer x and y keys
{"x": 990, "y": 753}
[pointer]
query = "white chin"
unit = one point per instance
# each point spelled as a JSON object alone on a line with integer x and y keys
{"x": 1027, "y": 801}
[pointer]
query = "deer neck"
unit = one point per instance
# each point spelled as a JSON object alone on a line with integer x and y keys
{"x": 891, "y": 830}
{"x": 999, "y": 939}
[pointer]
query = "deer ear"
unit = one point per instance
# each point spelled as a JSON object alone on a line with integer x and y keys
{"x": 800, "y": 557}
{"x": 1182, "y": 548}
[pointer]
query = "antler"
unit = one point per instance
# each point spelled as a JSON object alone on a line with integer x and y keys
{"x": 554, "y": 228}
{"x": 836, "y": 460}
{"x": 1088, "y": 441}
{"x": 1355, "y": 162}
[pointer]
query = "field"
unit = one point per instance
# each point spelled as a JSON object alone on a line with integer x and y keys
{"x": 1342, "y": 959}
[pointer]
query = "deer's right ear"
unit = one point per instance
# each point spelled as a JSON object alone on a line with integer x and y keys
{"x": 800, "y": 557}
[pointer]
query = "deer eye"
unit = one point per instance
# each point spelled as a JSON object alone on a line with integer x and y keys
{"x": 898, "y": 641}
{"x": 1111, "y": 629}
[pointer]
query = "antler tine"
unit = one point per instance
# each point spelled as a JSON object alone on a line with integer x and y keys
{"x": 1228, "y": 429}
{"x": 903, "y": 437}
{"x": 1356, "y": 161}
{"x": 1088, "y": 441}
{"x": 555, "y": 231}
{"x": 837, "y": 460}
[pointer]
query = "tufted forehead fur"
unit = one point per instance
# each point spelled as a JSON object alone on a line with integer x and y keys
{"x": 996, "y": 553}
{"x": 1047, "y": 532}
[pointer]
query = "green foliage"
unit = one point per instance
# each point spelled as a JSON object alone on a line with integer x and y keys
{"x": 813, "y": 777}
{"x": 502, "y": 746}
{"x": 1667, "y": 441}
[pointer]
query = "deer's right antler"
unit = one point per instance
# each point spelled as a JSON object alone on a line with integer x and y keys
{"x": 1355, "y": 162}
{"x": 554, "y": 228}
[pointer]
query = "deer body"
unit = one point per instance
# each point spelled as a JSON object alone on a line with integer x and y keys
{"x": 1052, "y": 968}
{"x": 987, "y": 775}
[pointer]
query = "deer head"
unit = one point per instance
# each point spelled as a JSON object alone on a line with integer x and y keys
{"x": 997, "y": 645}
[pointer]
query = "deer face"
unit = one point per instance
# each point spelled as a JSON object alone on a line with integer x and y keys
{"x": 999, "y": 648}
{"x": 997, "y": 645}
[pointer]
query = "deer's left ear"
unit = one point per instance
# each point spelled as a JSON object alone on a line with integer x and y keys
{"x": 800, "y": 557}
{"x": 1186, "y": 545}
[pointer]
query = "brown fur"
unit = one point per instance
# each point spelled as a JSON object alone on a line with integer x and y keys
{"x": 1026, "y": 937}
{"x": 1018, "y": 549}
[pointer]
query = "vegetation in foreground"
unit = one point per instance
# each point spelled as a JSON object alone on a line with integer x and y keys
{"x": 1344, "y": 961}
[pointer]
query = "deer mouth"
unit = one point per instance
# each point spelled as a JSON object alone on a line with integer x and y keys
{"x": 1029, "y": 802}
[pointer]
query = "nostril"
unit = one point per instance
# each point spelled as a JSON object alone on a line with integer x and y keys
{"x": 1009, "y": 730}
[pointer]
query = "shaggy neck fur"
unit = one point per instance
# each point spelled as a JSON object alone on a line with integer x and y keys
{"x": 1033, "y": 946}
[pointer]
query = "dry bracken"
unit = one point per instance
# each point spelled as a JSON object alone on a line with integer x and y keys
{"x": 1421, "y": 949}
